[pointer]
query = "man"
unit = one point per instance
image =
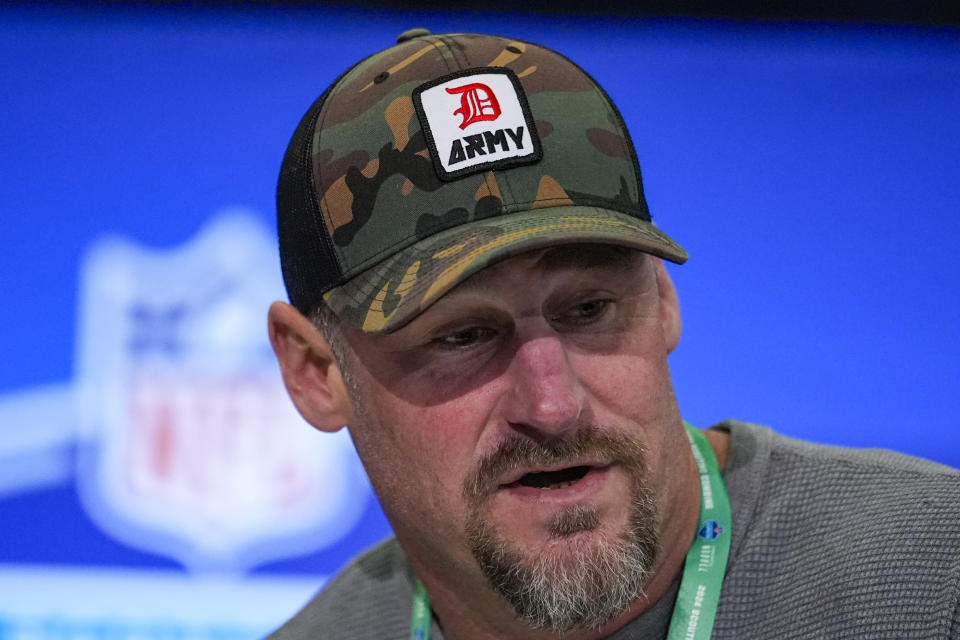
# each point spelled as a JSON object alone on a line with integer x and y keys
{"x": 477, "y": 291}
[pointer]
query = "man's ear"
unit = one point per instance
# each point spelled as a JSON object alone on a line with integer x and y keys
{"x": 310, "y": 371}
{"x": 670, "y": 318}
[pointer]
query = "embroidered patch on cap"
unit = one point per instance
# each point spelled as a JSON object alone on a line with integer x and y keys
{"x": 475, "y": 120}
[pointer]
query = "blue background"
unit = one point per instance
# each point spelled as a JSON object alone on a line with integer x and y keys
{"x": 811, "y": 171}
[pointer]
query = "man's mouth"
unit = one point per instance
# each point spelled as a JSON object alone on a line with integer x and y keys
{"x": 557, "y": 479}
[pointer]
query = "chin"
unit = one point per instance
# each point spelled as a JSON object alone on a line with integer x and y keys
{"x": 584, "y": 572}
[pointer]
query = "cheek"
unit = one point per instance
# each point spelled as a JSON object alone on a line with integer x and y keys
{"x": 635, "y": 376}
{"x": 418, "y": 458}
{"x": 631, "y": 392}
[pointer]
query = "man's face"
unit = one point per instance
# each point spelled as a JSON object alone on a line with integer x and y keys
{"x": 521, "y": 431}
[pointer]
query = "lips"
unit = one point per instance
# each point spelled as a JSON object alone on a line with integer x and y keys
{"x": 553, "y": 479}
{"x": 550, "y": 479}
{"x": 562, "y": 469}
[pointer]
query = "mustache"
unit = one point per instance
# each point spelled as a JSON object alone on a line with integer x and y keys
{"x": 519, "y": 452}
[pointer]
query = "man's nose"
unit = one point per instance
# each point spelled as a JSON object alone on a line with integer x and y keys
{"x": 546, "y": 395}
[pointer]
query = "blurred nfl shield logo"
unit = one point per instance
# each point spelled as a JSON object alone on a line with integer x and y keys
{"x": 190, "y": 446}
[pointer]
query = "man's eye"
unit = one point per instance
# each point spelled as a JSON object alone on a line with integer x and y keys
{"x": 586, "y": 311}
{"x": 464, "y": 338}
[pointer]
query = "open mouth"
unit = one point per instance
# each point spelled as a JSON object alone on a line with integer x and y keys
{"x": 553, "y": 479}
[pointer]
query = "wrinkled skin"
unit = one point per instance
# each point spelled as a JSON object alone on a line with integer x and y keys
{"x": 539, "y": 347}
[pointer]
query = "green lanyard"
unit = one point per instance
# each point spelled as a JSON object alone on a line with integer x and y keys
{"x": 420, "y": 618}
{"x": 703, "y": 569}
{"x": 706, "y": 562}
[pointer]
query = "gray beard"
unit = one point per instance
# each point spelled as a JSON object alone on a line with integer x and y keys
{"x": 569, "y": 583}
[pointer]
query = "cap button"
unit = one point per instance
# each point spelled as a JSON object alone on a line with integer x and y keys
{"x": 410, "y": 34}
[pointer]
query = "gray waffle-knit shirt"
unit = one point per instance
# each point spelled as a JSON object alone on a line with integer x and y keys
{"x": 827, "y": 543}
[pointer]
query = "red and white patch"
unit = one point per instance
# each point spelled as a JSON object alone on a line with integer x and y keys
{"x": 476, "y": 120}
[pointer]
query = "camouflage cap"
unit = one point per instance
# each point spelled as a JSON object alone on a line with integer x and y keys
{"x": 428, "y": 161}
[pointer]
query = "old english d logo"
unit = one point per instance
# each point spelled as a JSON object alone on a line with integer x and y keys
{"x": 476, "y": 120}
{"x": 477, "y": 102}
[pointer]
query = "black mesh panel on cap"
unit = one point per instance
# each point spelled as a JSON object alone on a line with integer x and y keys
{"x": 307, "y": 260}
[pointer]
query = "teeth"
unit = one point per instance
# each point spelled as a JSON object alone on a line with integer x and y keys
{"x": 558, "y": 485}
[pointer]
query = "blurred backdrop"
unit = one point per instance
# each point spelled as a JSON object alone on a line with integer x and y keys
{"x": 155, "y": 481}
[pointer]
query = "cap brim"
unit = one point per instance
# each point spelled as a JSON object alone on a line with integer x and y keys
{"x": 387, "y": 296}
